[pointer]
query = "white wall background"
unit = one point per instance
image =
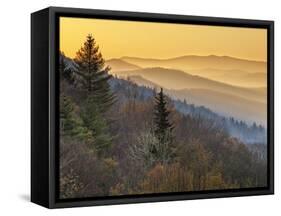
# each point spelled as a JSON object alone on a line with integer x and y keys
{"x": 15, "y": 107}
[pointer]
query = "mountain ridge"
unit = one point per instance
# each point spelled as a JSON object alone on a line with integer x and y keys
{"x": 199, "y": 56}
{"x": 190, "y": 62}
{"x": 119, "y": 64}
{"x": 177, "y": 79}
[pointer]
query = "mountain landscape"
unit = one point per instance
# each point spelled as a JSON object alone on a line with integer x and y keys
{"x": 131, "y": 127}
{"x": 243, "y": 103}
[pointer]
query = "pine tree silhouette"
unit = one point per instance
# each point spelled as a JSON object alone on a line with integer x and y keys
{"x": 163, "y": 130}
{"x": 93, "y": 74}
{"x": 161, "y": 116}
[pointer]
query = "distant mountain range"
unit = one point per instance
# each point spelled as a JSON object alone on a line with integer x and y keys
{"x": 248, "y": 104}
{"x": 178, "y": 80}
{"x": 192, "y": 62}
{"x": 233, "y": 71}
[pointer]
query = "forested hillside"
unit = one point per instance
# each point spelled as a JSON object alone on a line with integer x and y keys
{"x": 118, "y": 138}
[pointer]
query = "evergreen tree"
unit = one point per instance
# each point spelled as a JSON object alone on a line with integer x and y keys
{"x": 161, "y": 116}
{"x": 93, "y": 75}
{"x": 163, "y": 129}
{"x": 93, "y": 78}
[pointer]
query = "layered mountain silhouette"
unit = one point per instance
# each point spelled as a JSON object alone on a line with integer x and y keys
{"x": 229, "y": 70}
{"x": 192, "y": 62}
{"x": 178, "y": 80}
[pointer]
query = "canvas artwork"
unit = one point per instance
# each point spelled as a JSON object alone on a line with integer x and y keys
{"x": 152, "y": 108}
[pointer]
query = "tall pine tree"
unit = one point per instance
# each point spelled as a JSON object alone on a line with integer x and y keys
{"x": 93, "y": 75}
{"x": 162, "y": 128}
{"x": 161, "y": 116}
{"x": 93, "y": 78}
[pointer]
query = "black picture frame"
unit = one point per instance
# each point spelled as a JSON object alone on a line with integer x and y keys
{"x": 45, "y": 103}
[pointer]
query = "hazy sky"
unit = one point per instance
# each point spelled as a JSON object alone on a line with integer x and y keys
{"x": 161, "y": 40}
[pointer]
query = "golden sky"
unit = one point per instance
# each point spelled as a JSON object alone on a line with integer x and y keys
{"x": 161, "y": 40}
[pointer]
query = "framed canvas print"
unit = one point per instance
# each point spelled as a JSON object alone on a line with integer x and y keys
{"x": 138, "y": 107}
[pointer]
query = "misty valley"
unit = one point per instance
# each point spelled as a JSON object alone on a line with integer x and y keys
{"x": 133, "y": 126}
